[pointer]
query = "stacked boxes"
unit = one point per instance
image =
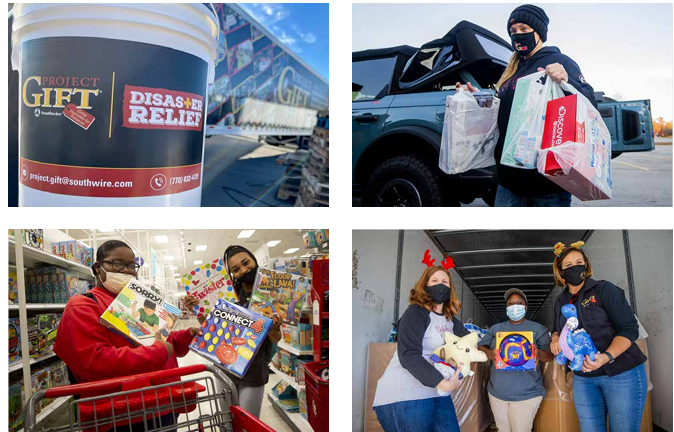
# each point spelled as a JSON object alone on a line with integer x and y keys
{"x": 74, "y": 251}
{"x": 53, "y": 284}
{"x": 314, "y": 190}
{"x": 42, "y": 333}
{"x": 15, "y": 406}
{"x": 31, "y": 237}
{"x": 14, "y": 341}
{"x": 300, "y": 336}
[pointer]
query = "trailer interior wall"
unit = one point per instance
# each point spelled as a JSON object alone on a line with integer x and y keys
{"x": 650, "y": 253}
{"x": 375, "y": 266}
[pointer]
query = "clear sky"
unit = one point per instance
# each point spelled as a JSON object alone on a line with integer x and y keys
{"x": 302, "y": 27}
{"x": 621, "y": 48}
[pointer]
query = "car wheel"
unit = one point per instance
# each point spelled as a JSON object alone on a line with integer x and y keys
{"x": 403, "y": 181}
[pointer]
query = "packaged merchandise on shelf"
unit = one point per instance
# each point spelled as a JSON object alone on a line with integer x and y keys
{"x": 31, "y": 237}
{"x": 59, "y": 374}
{"x": 309, "y": 239}
{"x": 47, "y": 330}
{"x": 74, "y": 251}
{"x": 321, "y": 237}
{"x": 137, "y": 313}
{"x": 302, "y": 398}
{"x": 13, "y": 288}
{"x": 232, "y": 335}
{"x": 14, "y": 341}
{"x": 283, "y": 390}
{"x": 299, "y": 370}
{"x": 209, "y": 283}
{"x": 33, "y": 337}
{"x": 41, "y": 380}
{"x": 15, "y": 406}
{"x": 280, "y": 293}
{"x": 287, "y": 362}
{"x": 294, "y": 266}
{"x": 289, "y": 405}
{"x": 300, "y": 336}
{"x": 285, "y": 332}
{"x": 50, "y": 284}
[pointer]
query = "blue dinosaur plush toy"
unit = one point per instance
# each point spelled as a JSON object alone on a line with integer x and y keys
{"x": 574, "y": 344}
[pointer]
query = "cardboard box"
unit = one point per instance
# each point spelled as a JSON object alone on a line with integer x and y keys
{"x": 470, "y": 400}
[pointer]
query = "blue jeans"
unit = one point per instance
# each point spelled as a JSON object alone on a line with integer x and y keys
{"x": 507, "y": 198}
{"x": 428, "y": 415}
{"x": 622, "y": 396}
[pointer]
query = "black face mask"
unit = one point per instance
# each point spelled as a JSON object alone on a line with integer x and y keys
{"x": 439, "y": 293}
{"x": 524, "y": 43}
{"x": 574, "y": 275}
{"x": 249, "y": 277}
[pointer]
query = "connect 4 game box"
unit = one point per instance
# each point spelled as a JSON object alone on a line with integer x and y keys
{"x": 231, "y": 336}
{"x": 138, "y": 313}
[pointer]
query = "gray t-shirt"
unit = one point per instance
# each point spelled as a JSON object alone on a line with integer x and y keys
{"x": 513, "y": 386}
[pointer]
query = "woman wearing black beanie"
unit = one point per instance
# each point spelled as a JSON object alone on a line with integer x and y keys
{"x": 528, "y": 30}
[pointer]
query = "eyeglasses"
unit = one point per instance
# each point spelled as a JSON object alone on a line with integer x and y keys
{"x": 119, "y": 265}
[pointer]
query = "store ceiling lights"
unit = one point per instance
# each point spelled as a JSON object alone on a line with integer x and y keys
{"x": 169, "y": 257}
{"x": 273, "y": 243}
{"x": 198, "y": 262}
{"x": 291, "y": 250}
{"x": 161, "y": 239}
{"x": 245, "y": 234}
{"x": 105, "y": 230}
{"x": 201, "y": 248}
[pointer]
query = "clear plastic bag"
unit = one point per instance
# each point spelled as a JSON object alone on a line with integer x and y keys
{"x": 527, "y": 118}
{"x": 469, "y": 133}
{"x": 586, "y": 166}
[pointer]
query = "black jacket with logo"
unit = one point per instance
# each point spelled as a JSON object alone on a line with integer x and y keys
{"x": 529, "y": 181}
{"x": 604, "y": 313}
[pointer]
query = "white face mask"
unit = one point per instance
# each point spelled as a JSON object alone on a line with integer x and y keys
{"x": 115, "y": 282}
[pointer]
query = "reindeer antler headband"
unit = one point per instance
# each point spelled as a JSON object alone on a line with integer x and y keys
{"x": 447, "y": 263}
{"x": 559, "y": 247}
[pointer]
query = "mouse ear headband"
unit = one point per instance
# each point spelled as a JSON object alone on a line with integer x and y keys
{"x": 559, "y": 247}
{"x": 447, "y": 263}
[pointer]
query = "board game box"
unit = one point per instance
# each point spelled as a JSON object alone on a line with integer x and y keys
{"x": 14, "y": 341}
{"x": 13, "y": 288}
{"x": 515, "y": 351}
{"x": 15, "y": 407}
{"x": 232, "y": 335}
{"x": 279, "y": 293}
{"x": 209, "y": 283}
{"x": 137, "y": 313}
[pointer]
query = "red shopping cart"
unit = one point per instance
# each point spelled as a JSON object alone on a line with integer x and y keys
{"x": 146, "y": 401}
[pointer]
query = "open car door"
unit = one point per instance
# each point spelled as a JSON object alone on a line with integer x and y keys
{"x": 629, "y": 122}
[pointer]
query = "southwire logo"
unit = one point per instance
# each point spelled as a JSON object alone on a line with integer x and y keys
{"x": 256, "y": 326}
{"x": 154, "y": 108}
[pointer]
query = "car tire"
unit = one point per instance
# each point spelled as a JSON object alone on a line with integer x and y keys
{"x": 403, "y": 181}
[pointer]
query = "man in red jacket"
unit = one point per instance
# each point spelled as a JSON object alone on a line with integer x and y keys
{"x": 91, "y": 351}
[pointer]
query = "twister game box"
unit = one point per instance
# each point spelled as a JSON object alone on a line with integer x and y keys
{"x": 279, "y": 293}
{"x": 231, "y": 336}
{"x": 138, "y": 313}
{"x": 209, "y": 283}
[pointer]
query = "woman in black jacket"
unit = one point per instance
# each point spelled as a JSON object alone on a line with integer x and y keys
{"x": 407, "y": 395}
{"x": 615, "y": 382}
{"x": 528, "y": 30}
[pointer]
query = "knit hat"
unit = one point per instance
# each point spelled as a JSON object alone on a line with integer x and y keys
{"x": 533, "y": 16}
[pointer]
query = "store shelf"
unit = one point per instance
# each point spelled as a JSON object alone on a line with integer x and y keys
{"x": 18, "y": 366}
{"x": 325, "y": 315}
{"x": 294, "y": 420}
{"x": 51, "y": 408}
{"x": 287, "y": 378}
{"x": 33, "y": 257}
{"x": 291, "y": 349}
{"x": 39, "y": 306}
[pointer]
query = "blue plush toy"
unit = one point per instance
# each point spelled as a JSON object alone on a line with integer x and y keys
{"x": 574, "y": 344}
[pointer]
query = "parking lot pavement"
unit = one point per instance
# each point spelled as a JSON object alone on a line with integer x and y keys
{"x": 641, "y": 179}
{"x": 241, "y": 172}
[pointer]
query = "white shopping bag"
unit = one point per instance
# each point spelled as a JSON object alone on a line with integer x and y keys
{"x": 469, "y": 133}
{"x": 527, "y": 116}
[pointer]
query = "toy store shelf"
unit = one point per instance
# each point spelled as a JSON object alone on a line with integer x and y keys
{"x": 51, "y": 408}
{"x": 294, "y": 420}
{"x": 287, "y": 378}
{"x": 32, "y": 257}
{"x": 39, "y": 306}
{"x": 293, "y": 350}
{"x": 18, "y": 366}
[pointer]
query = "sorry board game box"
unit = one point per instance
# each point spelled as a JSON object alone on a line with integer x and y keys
{"x": 137, "y": 313}
{"x": 209, "y": 283}
{"x": 515, "y": 351}
{"x": 279, "y": 293}
{"x": 231, "y": 336}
